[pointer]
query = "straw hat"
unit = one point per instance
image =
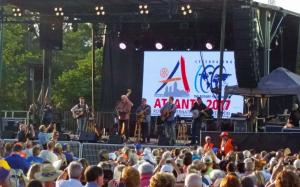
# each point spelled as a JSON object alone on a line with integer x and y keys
{"x": 48, "y": 173}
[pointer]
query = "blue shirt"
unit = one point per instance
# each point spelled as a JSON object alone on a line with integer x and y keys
{"x": 44, "y": 137}
{"x": 69, "y": 156}
{"x": 35, "y": 159}
{"x": 91, "y": 184}
{"x": 15, "y": 161}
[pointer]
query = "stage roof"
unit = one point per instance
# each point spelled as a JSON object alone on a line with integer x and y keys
{"x": 127, "y": 10}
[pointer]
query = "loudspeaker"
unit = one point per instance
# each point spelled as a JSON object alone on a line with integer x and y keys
{"x": 162, "y": 140}
{"x": 87, "y": 137}
{"x": 51, "y": 32}
{"x": 115, "y": 139}
{"x": 64, "y": 137}
{"x": 246, "y": 44}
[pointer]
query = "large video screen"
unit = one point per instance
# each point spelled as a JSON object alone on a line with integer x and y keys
{"x": 186, "y": 75}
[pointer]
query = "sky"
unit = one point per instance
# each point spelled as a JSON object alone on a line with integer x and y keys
{"x": 292, "y": 5}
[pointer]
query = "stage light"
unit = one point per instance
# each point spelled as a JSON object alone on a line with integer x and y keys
{"x": 122, "y": 46}
{"x": 143, "y": 9}
{"x": 100, "y": 10}
{"x": 58, "y": 11}
{"x": 209, "y": 46}
{"x": 158, "y": 46}
{"x": 186, "y": 9}
{"x": 17, "y": 12}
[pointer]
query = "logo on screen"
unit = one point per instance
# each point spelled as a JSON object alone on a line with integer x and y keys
{"x": 169, "y": 86}
{"x": 207, "y": 78}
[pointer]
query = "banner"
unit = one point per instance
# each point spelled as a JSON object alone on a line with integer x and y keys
{"x": 186, "y": 75}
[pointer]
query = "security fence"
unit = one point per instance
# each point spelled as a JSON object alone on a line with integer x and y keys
{"x": 90, "y": 151}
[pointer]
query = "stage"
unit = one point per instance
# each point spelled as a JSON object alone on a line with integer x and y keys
{"x": 268, "y": 141}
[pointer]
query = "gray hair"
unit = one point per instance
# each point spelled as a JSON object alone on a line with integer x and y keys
{"x": 193, "y": 180}
{"x": 74, "y": 170}
{"x": 249, "y": 164}
{"x": 146, "y": 168}
{"x": 216, "y": 174}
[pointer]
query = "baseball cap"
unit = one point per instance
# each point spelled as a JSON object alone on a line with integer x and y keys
{"x": 167, "y": 168}
{"x": 207, "y": 160}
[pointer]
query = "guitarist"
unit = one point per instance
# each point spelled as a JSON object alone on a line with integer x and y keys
{"x": 144, "y": 112}
{"x": 80, "y": 113}
{"x": 168, "y": 116}
{"x": 198, "y": 110}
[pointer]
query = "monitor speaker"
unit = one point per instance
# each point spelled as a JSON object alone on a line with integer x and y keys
{"x": 87, "y": 137}
{"x": 162, "y": 140}
{"x": 115, "y": 139}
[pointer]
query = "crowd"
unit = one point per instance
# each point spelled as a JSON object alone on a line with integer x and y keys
{"x": 48, "y": 163}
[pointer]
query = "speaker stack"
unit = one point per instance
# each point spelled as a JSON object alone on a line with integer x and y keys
{"x": 246, "y": 44}
{"x": 51, "y": 32}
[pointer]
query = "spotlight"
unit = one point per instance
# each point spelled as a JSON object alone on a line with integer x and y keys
{"x": 100, "y": 10}
{"x": 158, "y": 46}
{"x": 209, "y": 46}
{"x": 186, "y": 9}
{"x": 122, "y": 46}
{"x": 17, "y": 12}
{"x": 58, "y": 11}
{"x": 143, "y": 9}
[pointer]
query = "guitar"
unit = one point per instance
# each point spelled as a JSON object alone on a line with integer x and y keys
{"x": 78, "y": 113}
{"x": 164, "y": 114}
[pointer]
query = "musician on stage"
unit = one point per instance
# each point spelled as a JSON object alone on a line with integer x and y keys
{"x": 47, "y": 117}
{"x": 80, "y": 112}
{"x": 144, "y": 111}
{"x": 197, "y": 110}
{"x": 168, "y": 116}
{"x": 123, "y": 109}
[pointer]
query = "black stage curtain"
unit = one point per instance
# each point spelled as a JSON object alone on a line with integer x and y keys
{"x": 122, "y": 69}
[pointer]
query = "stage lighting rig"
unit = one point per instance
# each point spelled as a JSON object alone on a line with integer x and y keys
{"x": 100, "y": 10}
{"x": 17, "y": 12}
{"x": 144, "y": 9}
{"x": 186, "y": 9}
{"x": 58, "y": 11}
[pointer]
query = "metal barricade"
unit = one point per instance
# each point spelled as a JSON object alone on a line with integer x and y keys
{"x": 75, "y": 146}
{"x": 90, "y": 151}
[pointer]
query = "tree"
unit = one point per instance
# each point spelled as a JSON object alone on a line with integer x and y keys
{"x": 77, "y": 82}
{"x": 16, "y": 54}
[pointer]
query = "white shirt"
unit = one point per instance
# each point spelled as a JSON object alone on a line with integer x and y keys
{"x": 48, "y": 155}
{"x": 68, "y": 183}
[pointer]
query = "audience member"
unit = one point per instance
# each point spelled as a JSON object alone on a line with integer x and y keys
{"x": 15, "y": 160}
{"x": 71, "y": 176}
{"x": 94, "y": 176}
{"x": 48, "y": 154}
{"x": 36, "y": 150}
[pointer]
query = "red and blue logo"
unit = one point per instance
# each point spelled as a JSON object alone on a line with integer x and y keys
{"x": 173, "y": 90}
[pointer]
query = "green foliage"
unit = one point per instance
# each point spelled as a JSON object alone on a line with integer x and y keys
{"x": 77, "y": 82}
{"x": 15, "y": 57}
{"x": 71, "y": 75}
